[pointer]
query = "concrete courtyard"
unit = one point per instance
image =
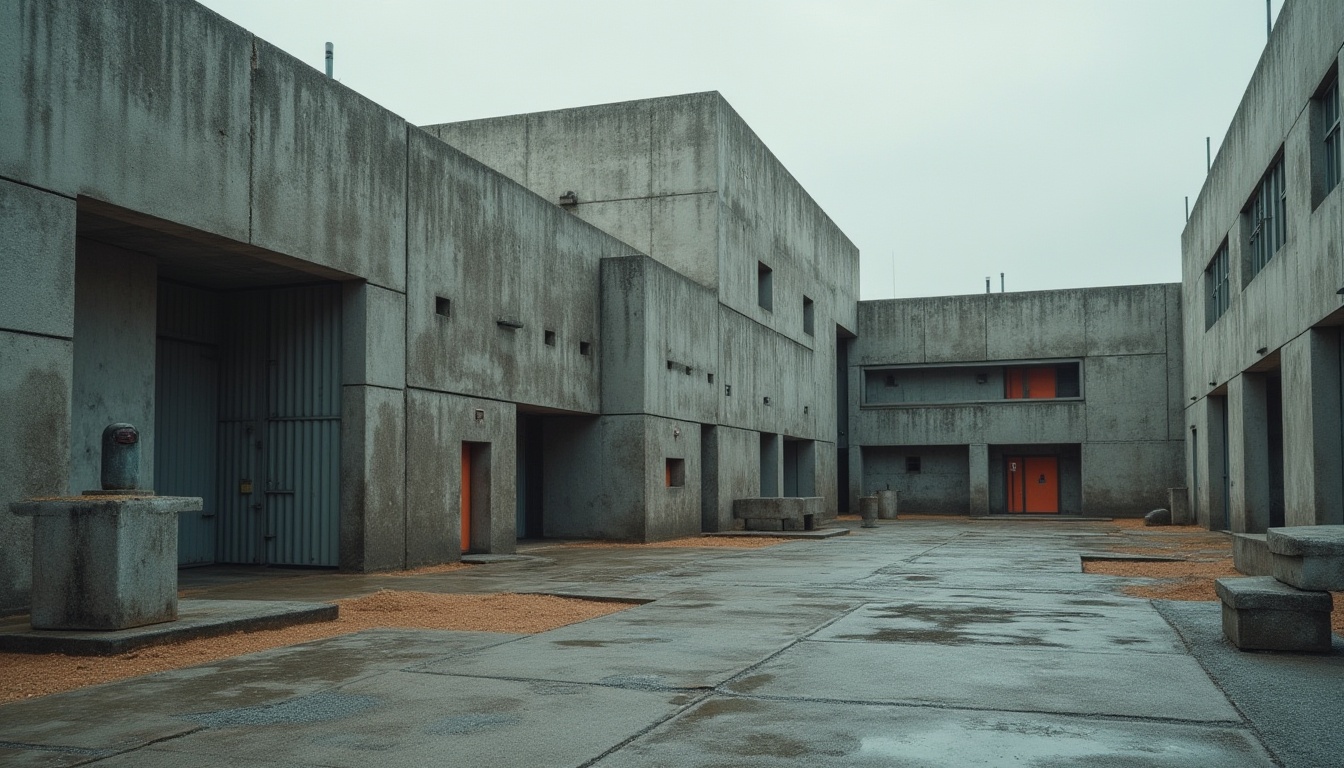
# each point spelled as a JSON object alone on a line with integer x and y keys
{"x": 919, "y": 643}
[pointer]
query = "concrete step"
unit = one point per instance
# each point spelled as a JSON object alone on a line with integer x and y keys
{"x": 1308, "y": 556}
{"x": 1261, "y": 613}
{"x": 1250, "y": 554}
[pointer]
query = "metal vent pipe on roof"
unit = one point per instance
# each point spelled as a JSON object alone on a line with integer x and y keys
{"x": 330, "y": 59}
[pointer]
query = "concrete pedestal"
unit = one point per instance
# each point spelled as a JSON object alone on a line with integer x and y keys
{"x": 1178, "y": 501}
{"x": 1262, "y": 614}
{"x": 1308, "y": 557}
{"x": 104, "y": 562}
{"x": 886, "y": 505}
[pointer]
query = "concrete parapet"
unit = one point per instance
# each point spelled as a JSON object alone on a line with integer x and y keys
{"x": 779, "y": 513}
{"x": 1250, "y": 554}
{"x": 1308, "y": 557}
{"x": 104, "y": 562}
{"x": 1262, "y": 614}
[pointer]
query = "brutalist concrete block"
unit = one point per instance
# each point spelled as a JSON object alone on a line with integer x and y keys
{"x": 1178, "y": 501}
{"x": 886, "y": 505}
{"x": 1250, "y": 554}
{"x": 1262, "y": 614}
{"x": 104, "y": 562}
{"x": 1308, "y": 557}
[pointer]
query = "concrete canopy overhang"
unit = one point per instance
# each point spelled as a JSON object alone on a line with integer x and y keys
{"x": 192, "y": 256}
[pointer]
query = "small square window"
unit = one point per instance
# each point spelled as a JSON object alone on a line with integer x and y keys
{"x": 585, "y": 348}
{"x": 550, "y": 338}
{"x": 912, "y": 464}
{"x": 709, "y": 377}
{"x": 675, "y": 473}
{"x": 807, "y": 316}
{"x": 442, "y": 306}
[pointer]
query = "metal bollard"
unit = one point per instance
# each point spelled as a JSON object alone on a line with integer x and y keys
{"x": 121, "y": 457}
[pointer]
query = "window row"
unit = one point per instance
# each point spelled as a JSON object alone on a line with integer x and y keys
{"x": 1265, "y": 217}
{"x": 952, "y": 384}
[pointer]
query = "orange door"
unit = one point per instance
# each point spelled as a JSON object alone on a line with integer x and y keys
{"x": 466, "y": 497}
{"x": 1033, "y": 484}
{"x": 1013, "y": 384}
{"x": 1040, "y": 383}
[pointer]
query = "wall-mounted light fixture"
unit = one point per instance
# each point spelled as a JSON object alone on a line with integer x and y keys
{"x": 1262, "y": 350}
{"x": 511, "y": 325}
{"x": 676, "y": 433}
{"x": 766, "y": 399}
{"x": 569, "y": 198}
{"x": 480, "y": 414}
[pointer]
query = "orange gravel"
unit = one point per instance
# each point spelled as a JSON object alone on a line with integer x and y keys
{"x": 24, "y": 675}
{"x": 731, "y": 542}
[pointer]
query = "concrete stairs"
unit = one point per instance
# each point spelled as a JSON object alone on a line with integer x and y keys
{"x": 1286, "y": 605}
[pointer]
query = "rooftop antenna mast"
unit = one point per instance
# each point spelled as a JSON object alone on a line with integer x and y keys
{"x": 330, "y": 59}
{"x": 1269, "y": 23}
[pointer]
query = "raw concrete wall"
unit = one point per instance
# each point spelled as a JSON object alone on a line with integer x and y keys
{"x": 940, "y": 487}
{"x": 733, "y": 465}
{"x": 1273, "y": 316}
{"x": 116, "y": 294}
{"x": 1130, "y": 351}
{"x": 437, "y": 426}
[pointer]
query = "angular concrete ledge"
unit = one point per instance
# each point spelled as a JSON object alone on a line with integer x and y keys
{"x": 1308, "y": 557}
{"x": 1250, "y": 554}
{"x": 196, "y": 619}
{"x": 816, "y": 533}
{"x": 1262, "y": 614}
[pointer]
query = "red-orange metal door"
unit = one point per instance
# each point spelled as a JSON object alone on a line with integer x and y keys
{"x": 1040, "y": 383}
{"x": 466, "y": 497}
{"x": 1041, "y": 484}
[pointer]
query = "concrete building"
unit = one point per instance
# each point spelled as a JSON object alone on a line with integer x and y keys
{"x": 1038, "y": 402}
{"x": 1261, "y": 280}
{"x": 363, "y": 347}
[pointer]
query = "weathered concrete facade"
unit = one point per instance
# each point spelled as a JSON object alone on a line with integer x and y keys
{"x": 720, "y": 341}
{"x": 1262, "y": 313}
{"x": 939, "y": 411}
{"x": 347, "y": 336}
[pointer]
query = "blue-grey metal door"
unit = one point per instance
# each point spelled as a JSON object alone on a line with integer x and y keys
{"x": 303, "y": 426}
{"x": 186, "y": 413}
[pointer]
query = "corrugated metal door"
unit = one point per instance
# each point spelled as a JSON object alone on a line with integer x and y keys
{"x": 303, "y": 426}
{"x": 186, "y": 413}
{"x": 279, "y": 426}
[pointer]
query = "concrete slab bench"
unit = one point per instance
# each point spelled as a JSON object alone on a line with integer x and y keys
{"x": 779, "y": 513}
{"x": 1261, "y": 613}
{"x": 1250, "y": 554}
{"x": 1308, "y": 556}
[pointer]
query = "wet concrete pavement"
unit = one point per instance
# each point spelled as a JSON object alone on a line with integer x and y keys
{"x": 918, "y": 643}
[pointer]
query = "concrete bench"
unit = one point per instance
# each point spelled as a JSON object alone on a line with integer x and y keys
{"x": 1250, "y": 554}
{"x": 779, "y": 513}
{"x": 1261, "y": 613}
{"x": 1308, "y": 557}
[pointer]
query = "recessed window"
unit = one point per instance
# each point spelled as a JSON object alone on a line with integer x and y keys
{"x": 912, "y": 464}
{"x": 675, "y": 473}
{"x": 765, "y": 292}
{"x": 443, "y": 306}
{"x": 1267, "y": 216}
{"x": 889, "y": 380}
{"x": 550, "y": 338}
{"x": 807, "y": 316}
{"x": 585, "y": 348}
{"x": 1216, "y": 286}
{"x": 1330, "y": 138}
{"x": 709, "y": 377}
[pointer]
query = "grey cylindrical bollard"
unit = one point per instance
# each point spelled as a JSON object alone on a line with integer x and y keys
{"x": 886, "y": 505}
{"x": 868, "y": 511}
{"x": 121, "y": 458}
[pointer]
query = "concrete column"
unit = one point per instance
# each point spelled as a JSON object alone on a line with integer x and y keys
{"x": 979, "y": 454}
{"x": 373, "y": 428}
{"x": 1313, "y": 491}
{"x": 1248, "y": 453}
{"x": 37, "y": 306}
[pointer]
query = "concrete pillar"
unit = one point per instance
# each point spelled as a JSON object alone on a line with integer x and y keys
{"x": 373, "y": 428}
{"x": 1313, "y": 491}
{"x": 1211, "y": 464}
{"x": 979, "y": 477}
{"x": 37, "y": 300}
{"x": 1248, "y": 453}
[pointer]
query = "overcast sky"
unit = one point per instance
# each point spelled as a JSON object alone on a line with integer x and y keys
{"x": 1054, "y": 140}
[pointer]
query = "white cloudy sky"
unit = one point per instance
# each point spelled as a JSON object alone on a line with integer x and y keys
{"x": 1054, "y": 140}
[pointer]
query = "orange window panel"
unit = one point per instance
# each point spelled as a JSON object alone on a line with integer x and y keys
{"x": 1040, "y": 383}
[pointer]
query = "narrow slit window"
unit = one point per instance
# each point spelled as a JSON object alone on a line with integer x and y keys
{"x": 808, "y": 317}
{"x": 765, "y": 293}
{"x": 550, "y": 338}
